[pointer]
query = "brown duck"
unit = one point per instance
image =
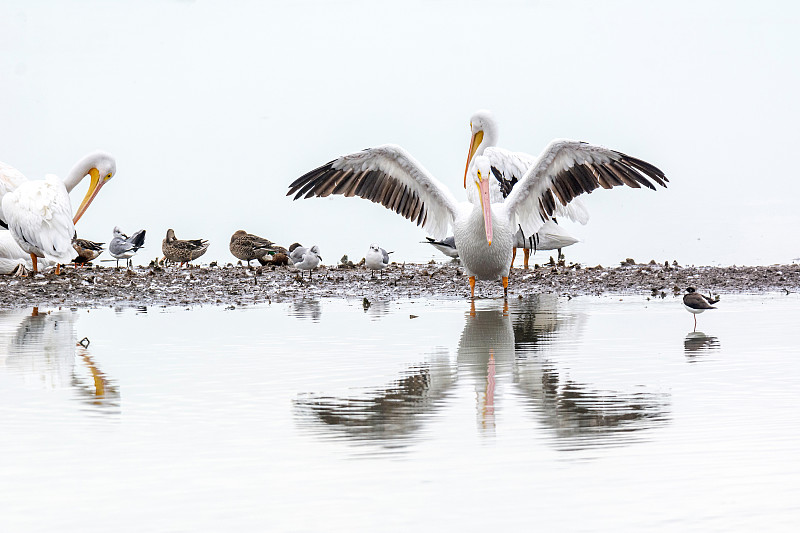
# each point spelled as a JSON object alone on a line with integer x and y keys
{"x": 179, "y": 251}
{"x": 86, "y": 250}
{"x": 246, "y": 246}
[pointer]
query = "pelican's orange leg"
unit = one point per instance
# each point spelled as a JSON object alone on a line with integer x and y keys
{"x": 58, "y": 269}
{"x": 505, "y": 286}
{"x": 472, "y": 286}
{"x": 527, "y": 255}
{"x": 514, "y": 256}
{"x": 34, "y": 260}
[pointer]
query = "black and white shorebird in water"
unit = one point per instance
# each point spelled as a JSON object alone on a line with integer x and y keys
{"x": 696, "y": 303}
{"x": 124, "y": 247}
{"x": 376, "y": 259}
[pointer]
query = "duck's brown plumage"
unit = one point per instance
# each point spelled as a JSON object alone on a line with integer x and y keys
{"x": 246, "y": 246}
{"x": 182, "y": 251}
{"x": 86, "y": 250}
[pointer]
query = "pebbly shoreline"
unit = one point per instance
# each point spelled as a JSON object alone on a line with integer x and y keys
{"x": 234, "y": 285}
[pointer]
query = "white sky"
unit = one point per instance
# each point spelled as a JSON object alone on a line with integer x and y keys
{"x": 213, "y": 108}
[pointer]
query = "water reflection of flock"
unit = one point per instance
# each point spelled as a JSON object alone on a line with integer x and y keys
{"x": 42, "y": 350}
{"x": 499, "y": 347}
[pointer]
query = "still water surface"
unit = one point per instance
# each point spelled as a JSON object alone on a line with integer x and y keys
{"x": 582, "y": 415}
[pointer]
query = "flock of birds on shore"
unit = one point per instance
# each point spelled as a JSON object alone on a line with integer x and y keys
{"x": 513, "y": 200}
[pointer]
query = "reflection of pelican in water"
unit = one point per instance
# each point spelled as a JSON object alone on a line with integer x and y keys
{"x": 485, "y": 349}
{"x": 578, "y": 416}
{"x": 306, "y": 309}
{"x": 387, "y": 413}
{"x": 492, "y": 356}
{"x": 97, "y": 390}
{"x": 41, "y": 350}
{"x": 698, "y": 343}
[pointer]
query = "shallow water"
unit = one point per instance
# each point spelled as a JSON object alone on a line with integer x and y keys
{"x": 584, "y": 414}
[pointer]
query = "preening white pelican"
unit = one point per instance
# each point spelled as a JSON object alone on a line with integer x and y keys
{"x": 485, "y": 226}
{"x": 39, "y": 213}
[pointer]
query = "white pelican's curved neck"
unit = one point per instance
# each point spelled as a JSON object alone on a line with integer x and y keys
{"x": 485, "y": 122}
{"x": 78, "y": 172}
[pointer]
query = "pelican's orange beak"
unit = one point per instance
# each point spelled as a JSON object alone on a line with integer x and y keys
{"x": 94, "y": 187}
{"x": 486, "y": 205}
{"x": 474, "y": 142}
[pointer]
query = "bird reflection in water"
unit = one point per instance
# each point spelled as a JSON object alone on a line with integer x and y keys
{"x": 42, "y": 350}
{"x": 390, "y": 413}
{"x": 698, "y": 343}
{"x": 577, "y": 415}
{"x": 306, "y": 308}
{"x": 96, "y": 390}
{"x": 499, "y": 347}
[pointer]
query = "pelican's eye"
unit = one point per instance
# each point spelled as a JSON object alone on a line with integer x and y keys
{"x": 108, "y": 176}
{"x": 479, "y": 174}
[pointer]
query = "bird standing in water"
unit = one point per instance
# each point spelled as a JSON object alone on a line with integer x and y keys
{"x": 696, "y": 303}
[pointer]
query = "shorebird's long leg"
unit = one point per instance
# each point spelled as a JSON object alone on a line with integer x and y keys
{"x": 695, "y": 322}
{"x": 35, "y": 264}
{"x": 527, "y": 255}
{"x": 505, "y": 286}
{"x": 472, "y": 287}
{"x": 513, "y": 257}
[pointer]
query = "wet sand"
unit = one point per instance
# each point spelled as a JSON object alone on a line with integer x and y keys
{"x": 234, "y": 285}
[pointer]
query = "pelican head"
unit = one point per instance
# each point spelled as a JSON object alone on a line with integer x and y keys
{"x": 484, "y": 134}
{"x": 100, "y": 167}
{"x": 481, "y": 171}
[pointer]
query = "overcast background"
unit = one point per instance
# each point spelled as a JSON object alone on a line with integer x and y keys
{"x": 212, "y": 108}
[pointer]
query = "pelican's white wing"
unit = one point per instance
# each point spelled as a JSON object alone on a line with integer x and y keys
{"x": 509, "y": 167}
{"x": 10, "y": 179}
{"x": 567, "y": 169}
{"x": 387, "y": 175}
{"x": 40, "y": 218}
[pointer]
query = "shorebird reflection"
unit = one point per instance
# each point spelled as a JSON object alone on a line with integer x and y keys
{"x": 698, "y": 343}
{"x": 500, "y": 347}
{"x": 305, "y": 308}
{"x": 43, "y": 351}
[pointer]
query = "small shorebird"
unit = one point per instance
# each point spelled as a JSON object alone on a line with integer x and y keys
{"x": 305, "y": 258}
{"x": 124, "y": 247}
{"x": 377, "y": 259}
{"x": 86, "y": 250}
{"x": 246, "y": 246}
{"x": 179, "y": 251}
{"x": 696, "y": 303}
